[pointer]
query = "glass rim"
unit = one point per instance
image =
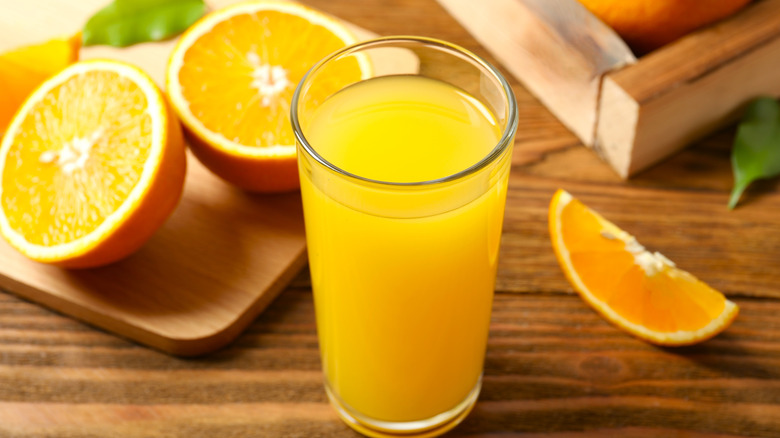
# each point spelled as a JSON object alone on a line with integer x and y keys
{"x": 507, "y": 134}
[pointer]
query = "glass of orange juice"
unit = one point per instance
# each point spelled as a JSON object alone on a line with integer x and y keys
{"x": 403, "y": 170}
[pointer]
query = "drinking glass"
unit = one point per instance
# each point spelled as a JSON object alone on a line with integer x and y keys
{"x": 403, "y": 271}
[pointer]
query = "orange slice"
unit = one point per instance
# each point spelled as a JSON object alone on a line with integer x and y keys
{"x": 231, "y": 79}
{"x": 23, "y": 69}
{"x": 641, "y": 292}
{"x": 92, "y": 164}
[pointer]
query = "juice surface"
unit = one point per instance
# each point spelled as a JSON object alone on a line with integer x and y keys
{"x": 403, "y": 303}
{"x": 403, "y": 129}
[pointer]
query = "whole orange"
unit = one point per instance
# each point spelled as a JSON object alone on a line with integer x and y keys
{"x": 649, "y": 24}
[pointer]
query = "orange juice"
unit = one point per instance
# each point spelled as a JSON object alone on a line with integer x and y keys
{"x": 403, "y": 278}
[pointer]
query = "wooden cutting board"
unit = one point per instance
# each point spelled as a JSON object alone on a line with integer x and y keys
{"x": 218, "y": 261}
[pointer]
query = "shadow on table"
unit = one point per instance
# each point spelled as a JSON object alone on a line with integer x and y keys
{"x": 726, "y": 357}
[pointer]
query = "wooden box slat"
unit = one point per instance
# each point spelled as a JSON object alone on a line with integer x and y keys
{"x": 684, "y": 91}
{"x": 561, "y": 64}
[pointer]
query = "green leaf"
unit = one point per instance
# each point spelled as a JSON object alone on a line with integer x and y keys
{"x": 126, "y": 22}
{"x": 756, "y": 152}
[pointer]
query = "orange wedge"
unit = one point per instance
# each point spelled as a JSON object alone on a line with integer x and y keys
{"x": 641, "y": 292}
{"x": 23, "y": 69}
{"x": 91, "y": 165}
{"x": 231, "y": 79}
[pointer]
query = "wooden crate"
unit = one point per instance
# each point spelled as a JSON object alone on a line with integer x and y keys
{"x": 634, "y": 112}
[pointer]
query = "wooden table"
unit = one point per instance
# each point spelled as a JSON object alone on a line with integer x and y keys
{"x": 553, "y": 367}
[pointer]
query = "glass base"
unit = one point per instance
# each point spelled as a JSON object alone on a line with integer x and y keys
{"x": 430, "y": 427}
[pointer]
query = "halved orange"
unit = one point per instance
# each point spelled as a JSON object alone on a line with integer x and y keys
{"x": 91, "y": 165}
{"x": 641, "y": 292}
{"x": 231, "y": 79}
{"x": 24, "y": 68}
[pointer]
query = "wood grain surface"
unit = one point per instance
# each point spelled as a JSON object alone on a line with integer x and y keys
{"x": 554, "y": 368}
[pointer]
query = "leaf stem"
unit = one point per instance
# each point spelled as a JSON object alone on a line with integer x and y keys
{"x": 736, "y": 193}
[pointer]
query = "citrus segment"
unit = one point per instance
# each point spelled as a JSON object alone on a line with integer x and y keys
{"x": 641, "y": 292}
{"x": 90, "y": 167}
{"x": 23, "y": 69}
{"x": 231, "y": 79}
